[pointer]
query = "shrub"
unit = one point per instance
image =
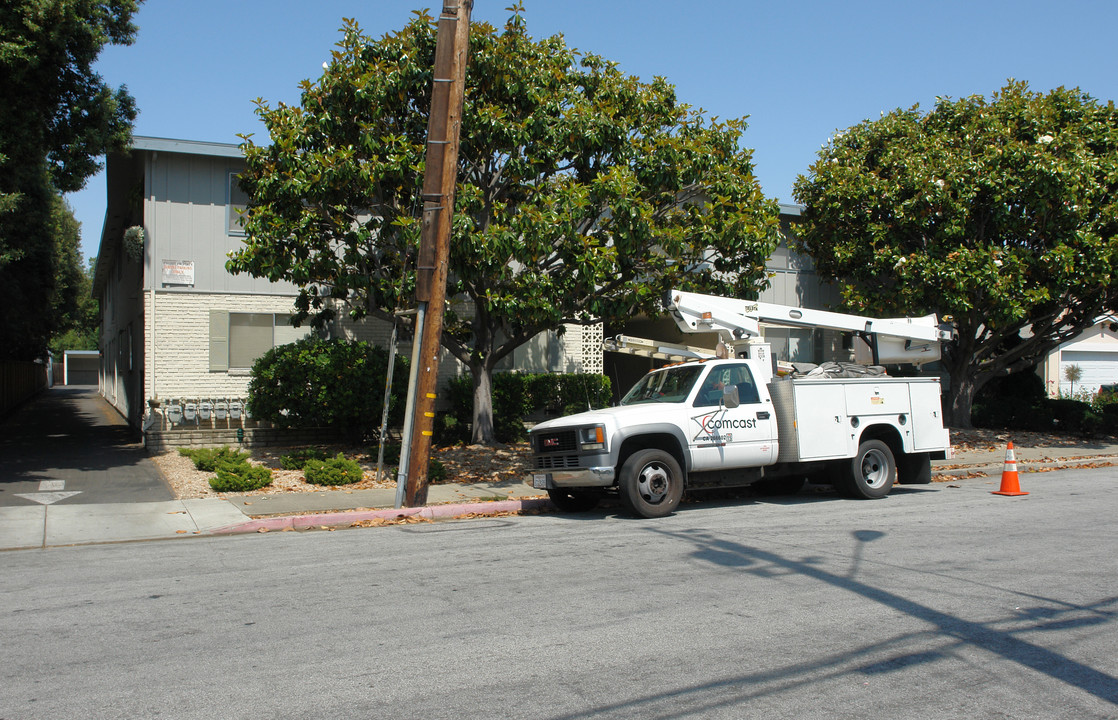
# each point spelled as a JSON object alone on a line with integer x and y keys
{"x": 327, "y": 383}
{"x": 337, "y": 470}
{"x": 517, "y": 395}
{"x": 240, "y": 477}
{"x": 1071, "y": 416}
{"x": 210, "y": 459}
{"x": 1109, "y": 417}
{"x": 391, "y": 452}
{"x": 297, "y": 459}
{"x": 1011, "y": 413}
{"x": 436, "y": 471}
{"x": 1013, "y": 402}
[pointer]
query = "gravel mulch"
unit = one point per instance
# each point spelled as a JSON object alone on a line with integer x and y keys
{"x": 464, "y": 464}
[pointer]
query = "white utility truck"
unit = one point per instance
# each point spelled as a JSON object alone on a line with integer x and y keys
{"x": 727, "y": 418}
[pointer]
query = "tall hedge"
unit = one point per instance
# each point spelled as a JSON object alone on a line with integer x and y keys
{"x": 327, "y": 383}
{"x": 517, "y": 395}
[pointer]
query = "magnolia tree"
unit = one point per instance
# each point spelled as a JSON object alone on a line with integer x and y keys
{"x": 583, "y": 193}
{"x": 1000, "y": 214}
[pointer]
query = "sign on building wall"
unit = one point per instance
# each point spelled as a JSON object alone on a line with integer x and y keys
{"x": 178, "y": 272}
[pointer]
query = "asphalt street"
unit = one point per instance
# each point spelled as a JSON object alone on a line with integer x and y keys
{"x": 940, "y": 601}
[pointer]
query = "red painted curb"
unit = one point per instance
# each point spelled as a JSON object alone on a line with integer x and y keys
{"x": 348, "y": 517}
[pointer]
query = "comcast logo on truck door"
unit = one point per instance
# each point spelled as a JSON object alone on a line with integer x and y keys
{"x": 713, "y": 427}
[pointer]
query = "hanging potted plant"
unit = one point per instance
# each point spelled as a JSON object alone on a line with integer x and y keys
{"x": 134, "y": 242}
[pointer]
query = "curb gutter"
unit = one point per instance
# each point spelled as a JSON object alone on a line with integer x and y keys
{"x": 348, "y": 517}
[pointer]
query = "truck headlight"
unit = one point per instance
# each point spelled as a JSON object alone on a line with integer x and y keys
{"x": 592, "y": 438}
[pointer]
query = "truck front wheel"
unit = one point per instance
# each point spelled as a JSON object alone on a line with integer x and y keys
{"x": 651, "y": 483}
{"x": 870, "y": 473}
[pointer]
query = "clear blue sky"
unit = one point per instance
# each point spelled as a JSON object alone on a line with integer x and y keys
{"x": 799, "y": 70}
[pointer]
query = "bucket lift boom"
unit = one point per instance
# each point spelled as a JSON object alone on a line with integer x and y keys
{"x": 889, "y": 340}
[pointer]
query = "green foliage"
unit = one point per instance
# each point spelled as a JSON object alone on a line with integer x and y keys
{"x": 234, "y": 473}
{"x": 240, "y": 477}
{"x": 1109, "y": 417}
{"x": 1021, "y": 404}
{"x": 582, "y": 194}
{"x": 57, "y": 117}
{"x": 326, "y": 383}
{"x": 1001, "y": 214}
{"x": 337, "y": 470}
{"x": 391, "y": 452}
{"x": 517, "y": 395}
{"x": 210, "y": 459}
{"x": 78, "y": 312}
{"x": 297, "y": 459}
{"x": 55, "y": 105}
{"x": 436, "y": 471}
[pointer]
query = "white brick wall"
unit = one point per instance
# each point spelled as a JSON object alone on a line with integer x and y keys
{"x": 181, "y": 345}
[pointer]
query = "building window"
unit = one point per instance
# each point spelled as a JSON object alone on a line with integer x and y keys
{"x": 235, "y": 205}
{"x": 250, "y": 336}
{"x": 237, "y": 340}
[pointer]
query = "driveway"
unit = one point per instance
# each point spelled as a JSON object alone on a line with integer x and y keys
{"x": 67, "y": 445}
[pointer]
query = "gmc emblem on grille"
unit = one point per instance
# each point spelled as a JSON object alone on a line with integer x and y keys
{"x": 551, "y": 442}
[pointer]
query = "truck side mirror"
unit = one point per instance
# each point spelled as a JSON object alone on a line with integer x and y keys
{"x": 730, "y": 396}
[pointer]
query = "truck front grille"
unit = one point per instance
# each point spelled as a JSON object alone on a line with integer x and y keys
{"x": 556, "y": 462}
{"x": 562, "y": 441}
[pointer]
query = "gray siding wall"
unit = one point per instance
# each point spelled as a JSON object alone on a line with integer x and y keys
{"x": 122, "y": 331}
{"x": 186, "y": 212}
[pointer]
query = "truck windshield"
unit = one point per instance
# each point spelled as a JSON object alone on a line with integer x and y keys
{"x": 665, "y": 386}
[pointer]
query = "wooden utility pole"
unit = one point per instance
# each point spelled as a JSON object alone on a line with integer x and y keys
{"x": 444, "y": 126}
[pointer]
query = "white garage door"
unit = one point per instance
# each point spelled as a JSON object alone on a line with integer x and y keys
{"x": 1098, "y": 368}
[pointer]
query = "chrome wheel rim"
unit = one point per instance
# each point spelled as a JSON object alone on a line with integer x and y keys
{"x": 653, "y": 483}
{"x": 875, "y": 469}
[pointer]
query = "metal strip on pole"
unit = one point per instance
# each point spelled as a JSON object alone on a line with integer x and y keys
{"x": 440, "y": 175}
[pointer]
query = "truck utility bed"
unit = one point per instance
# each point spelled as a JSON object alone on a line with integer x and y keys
{"x": 818, "y": 418}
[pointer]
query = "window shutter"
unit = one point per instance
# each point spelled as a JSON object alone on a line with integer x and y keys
{"x": 219, "y": 340}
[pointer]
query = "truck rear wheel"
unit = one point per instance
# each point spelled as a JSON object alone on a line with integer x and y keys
{"x": 870, "y": 473}
{"x": 651, "y": 483}
{"x": 574, "y": 501}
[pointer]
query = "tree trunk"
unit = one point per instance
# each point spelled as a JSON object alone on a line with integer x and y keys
{"x": 482, "y": 433}
{"x": 960, "y": 398}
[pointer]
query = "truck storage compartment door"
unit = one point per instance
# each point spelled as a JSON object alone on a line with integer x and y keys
{"x": 928, "y": 433}
{"x": 812, "y": 420}
{"x": 867, "y": 398}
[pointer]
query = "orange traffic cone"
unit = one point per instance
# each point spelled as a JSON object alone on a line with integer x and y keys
{"x": 1010, "y": 485}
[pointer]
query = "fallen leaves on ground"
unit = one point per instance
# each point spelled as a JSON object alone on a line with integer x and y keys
{"x": 398, "y": 520}
{"x": 984, "y": 439}
{"x": 959, "y": 476}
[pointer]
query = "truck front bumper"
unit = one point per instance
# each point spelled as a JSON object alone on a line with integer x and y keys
{"x": 573, "y": 478}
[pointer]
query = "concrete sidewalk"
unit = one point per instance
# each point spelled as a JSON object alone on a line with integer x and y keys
{"x": 60, "y": 524}
{"x": 54, "y": 525}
